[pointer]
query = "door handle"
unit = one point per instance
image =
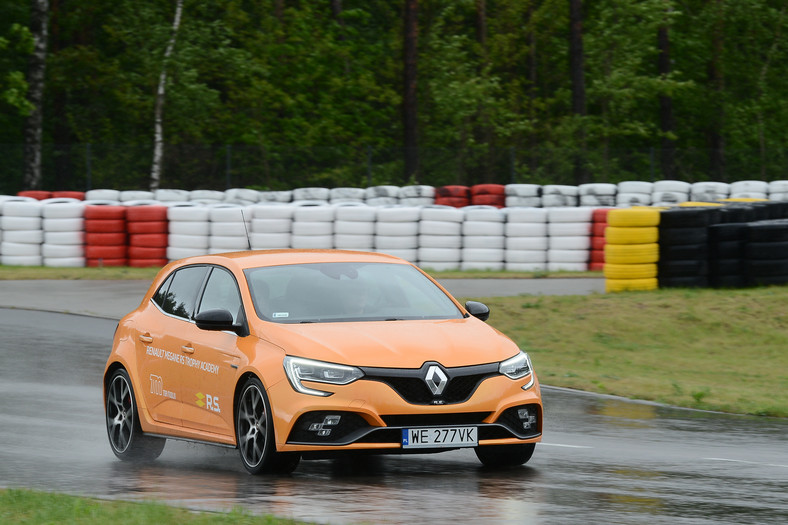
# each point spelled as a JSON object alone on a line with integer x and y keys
{"x": 187, "y": 349}
{"x": 146, "y": 338}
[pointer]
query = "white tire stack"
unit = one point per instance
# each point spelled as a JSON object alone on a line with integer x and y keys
{"x": 397, "y": 231}
{"x": 242, "y": 196}
{"x": 283, "y": 196}
{"x": 634, "y": 193}
{"x": 313, "y": 227}
{"x": 569, "y": 231}
{"x": 528, "y": 195}
{"x": 343, "y": 195}
{"x": 272, "y": 226}
{"x": 597, "y": 194}
{"x": 311, "y": 194}
{"x": 354, "y": 227}
{"x": 749, "y": 189}
{"x": 417, "y": 195}
{"x": 558, "y": 195}
{"x": 670, "y": 192}
{"x": 102, "y": 195}
{"x": 526, "y": 239}
{"x": 709, "y": 191}
{"x": 483, "y": 241}
{"x": 206, "y": 196}
{"x": 778, "y": 190}
{"x": 64, "y": 233}
{"x": 135, "y": 195}
{"x": 21, "y": 223}
{"x": 189, "y": 230}
{"x": 382, "y": 195}
{"x": 229, "y": 230}
{"x": 440, "y": 238}
{"x": 170, "y": 195}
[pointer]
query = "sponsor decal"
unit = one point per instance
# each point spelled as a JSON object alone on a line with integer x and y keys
{"x": 157, "y": 387}
{"x": 208, "y": 402}
{"x": 182, "y": 359}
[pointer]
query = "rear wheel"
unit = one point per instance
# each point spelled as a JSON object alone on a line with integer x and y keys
{"x": 497, "y": 456}
{"x": 123, "y": 426}
{"x": 254, "y": 431}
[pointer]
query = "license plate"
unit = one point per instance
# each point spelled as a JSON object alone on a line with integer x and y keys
{"x": 440, "y": 437}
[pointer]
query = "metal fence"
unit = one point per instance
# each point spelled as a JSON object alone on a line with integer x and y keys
{"x": 87, "y": 166}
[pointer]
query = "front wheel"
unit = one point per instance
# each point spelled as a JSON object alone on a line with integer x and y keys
{"x": 123, "y": 426}
{"x": 498, "y": 456}
{"x": 254, "y": 430}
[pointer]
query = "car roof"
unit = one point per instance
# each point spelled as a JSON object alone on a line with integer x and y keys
{"x": 257, "y": 258}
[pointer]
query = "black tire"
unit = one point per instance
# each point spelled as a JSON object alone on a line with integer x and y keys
{"x": 768, "y": 231}
{"x": 674, "y": 236}
{"x": 501, "y": 456}
{"x": 123, "y": 426}
{"x": 766, "y": 250}
{"x": 688, "y": 217}
{"x": 254, "y": 432}
{"x": 671, "y": 252}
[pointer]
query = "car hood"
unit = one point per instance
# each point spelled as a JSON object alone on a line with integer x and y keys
{"x": 399, "y": 344}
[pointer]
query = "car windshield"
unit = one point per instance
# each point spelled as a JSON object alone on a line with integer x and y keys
{"x": 346, "y": 291}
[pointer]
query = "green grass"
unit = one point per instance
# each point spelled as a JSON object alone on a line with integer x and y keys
{"x": 22, "y": 507}
{"x": 709, "y": 349}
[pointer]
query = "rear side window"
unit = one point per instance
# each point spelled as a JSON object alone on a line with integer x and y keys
{"x": 221, "y": 292}
{"x": 178, "y": 294}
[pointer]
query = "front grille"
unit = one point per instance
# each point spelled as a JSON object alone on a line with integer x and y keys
{"x": 411, "y": 385}
{"x": 444, "y": 420}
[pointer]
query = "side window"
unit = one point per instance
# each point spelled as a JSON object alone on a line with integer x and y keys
{"x": 221, "y": 292}
{"x": 161, "y": 294}
{"x": 181, "y": 296}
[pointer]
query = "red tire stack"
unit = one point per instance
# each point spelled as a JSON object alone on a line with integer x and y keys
{"x": 35, "y": 194}
{"x": 598, "y": 225}
{"x": 79, "y": 195}
{"x": 105, "y": 235}
{"x": 147, "y": 227}
{"x": 489, "y": 195}
{"x": 457, "y": 196}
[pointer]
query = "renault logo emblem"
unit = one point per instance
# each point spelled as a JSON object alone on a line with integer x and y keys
{"x": 436, "y": 380}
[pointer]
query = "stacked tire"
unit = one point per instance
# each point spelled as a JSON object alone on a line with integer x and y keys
{"x": 64, "y": 232}
{"x": 417, "y": 195}
{"x": 526, "y": 240}
{"x": 597, "y": 194}
{"x": 684, "y": 246}
{"x": 21, "y": 223}
{"x": 483, "y": 240}
{"x": 569, "y": 232}
{"x": 778, "y": 190}
{"x": 453, "y": 195}
{"x": 397, "y": 231}
{"x": 766, "y": 253}
{"x": 709, "y": 191}
{"x": 596, "y": 259}
{"x": 558, "y": 195}
{"x": 726, "y": 254}
{"x": 354, "y": 227}
{"x": 634, "y": 193}
{"x": 147, "y": 228}
{"x": 631, "y": 249}
{"x": 38, "y": 195}
{"x": 749, "y": 189}
{"x": 105, "y": 235}
{"x": 670, "y": 192}
{"x": 272, "y": 226}
{"x": 527, "y": 195}
{"x": 488, "y": 195}
{"x": 188, "y": 230}
{"x": 229, "y": 229}
{"x": 440, "y": 237}
{"x": 313, "y": 227}
{"x": 385, "y": 195}
{"x": 345, "y": 195}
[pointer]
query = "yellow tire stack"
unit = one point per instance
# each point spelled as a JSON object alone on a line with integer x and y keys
{"x": 631, "y": 249}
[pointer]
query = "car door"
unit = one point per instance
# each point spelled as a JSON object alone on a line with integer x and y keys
{"x": 208, "y": 388}
{"x": 161, "y": 356}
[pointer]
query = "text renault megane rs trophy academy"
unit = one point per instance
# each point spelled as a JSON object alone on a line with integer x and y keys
{"x": 305, "y": 353}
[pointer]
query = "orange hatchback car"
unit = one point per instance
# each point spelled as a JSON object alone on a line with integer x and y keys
{"x": 307, "y": 353}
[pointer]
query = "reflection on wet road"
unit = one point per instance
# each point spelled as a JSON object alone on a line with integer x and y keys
{"x": 603, "y": 459}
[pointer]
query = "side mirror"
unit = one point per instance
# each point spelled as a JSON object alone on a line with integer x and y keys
{"x": 479, "y": 310}
{"x": 216, "y": 320}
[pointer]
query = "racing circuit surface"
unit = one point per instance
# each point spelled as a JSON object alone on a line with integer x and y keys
{"x": 603, "y": 459}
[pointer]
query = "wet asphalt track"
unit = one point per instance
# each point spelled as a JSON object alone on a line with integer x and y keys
{"x": 603, "y": 460}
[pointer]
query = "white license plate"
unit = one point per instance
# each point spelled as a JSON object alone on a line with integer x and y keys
{"x": 440, "y": 437}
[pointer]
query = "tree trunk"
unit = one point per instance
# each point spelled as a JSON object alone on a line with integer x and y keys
{"x": 158, "y": 127}
{"x": 39, "y": 22}
{"x": 666, "y": 119}
{"x": 577, "y": 76}
{"x": 409, "y": 99}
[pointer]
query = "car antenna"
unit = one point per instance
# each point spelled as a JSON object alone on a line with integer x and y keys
{"x": 248, "y": 240}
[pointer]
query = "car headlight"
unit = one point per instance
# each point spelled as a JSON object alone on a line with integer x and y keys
{"x": 517, "y": 367}
{"x": 299, "y": 369}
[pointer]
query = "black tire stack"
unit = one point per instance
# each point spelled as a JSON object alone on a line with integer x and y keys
{"x": 766, "y": 253}
{"x": 684, "y": 246}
